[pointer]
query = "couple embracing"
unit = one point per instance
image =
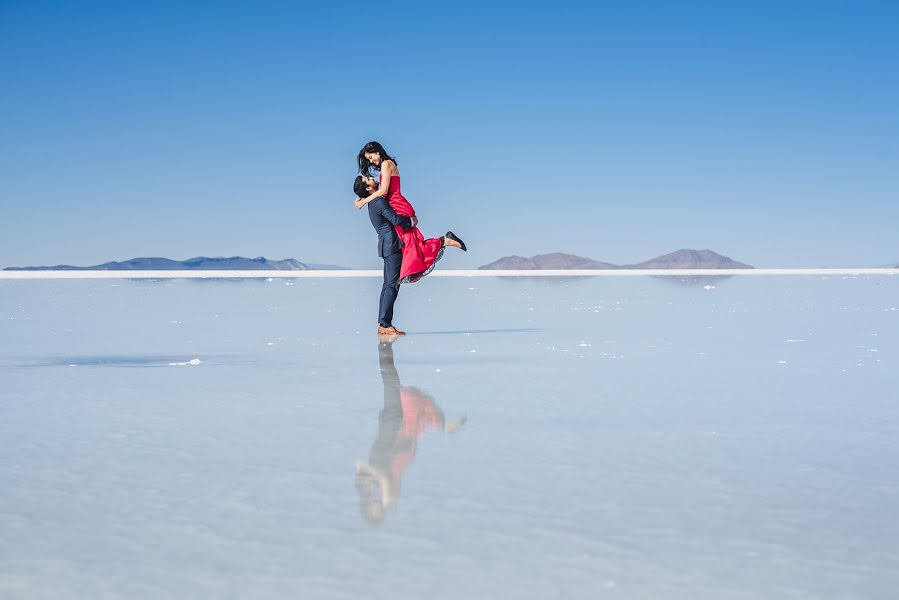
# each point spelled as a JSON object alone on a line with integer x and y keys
{"x": 407, "y": 255}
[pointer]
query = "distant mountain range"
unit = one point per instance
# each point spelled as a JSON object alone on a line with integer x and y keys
{"x": 682, "y": 259}
{"x": 200, "y": 263}
{"x": 556, "y": 260}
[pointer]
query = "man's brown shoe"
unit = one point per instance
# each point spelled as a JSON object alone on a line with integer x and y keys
{"x": 390, "y": 331}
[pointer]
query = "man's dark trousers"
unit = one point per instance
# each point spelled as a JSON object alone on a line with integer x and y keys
{"x": 384, "y": 219}
{"x": 390, "y": 289}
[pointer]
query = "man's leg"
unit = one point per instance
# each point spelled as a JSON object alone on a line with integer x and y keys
{"x": 390, "y": 289}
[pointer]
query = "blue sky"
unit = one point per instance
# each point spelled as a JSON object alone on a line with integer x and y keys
{"x": 767, "y": 131}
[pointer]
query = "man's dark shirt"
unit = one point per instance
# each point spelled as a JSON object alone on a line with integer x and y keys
{"x": 383, "y": 218}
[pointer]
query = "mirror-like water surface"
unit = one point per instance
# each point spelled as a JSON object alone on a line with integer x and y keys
{"x": 633, "y": 438}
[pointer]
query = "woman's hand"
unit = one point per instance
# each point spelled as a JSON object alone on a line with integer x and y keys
{"x": 359, "y": 202}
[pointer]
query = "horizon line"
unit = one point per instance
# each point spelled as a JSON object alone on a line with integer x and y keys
{"x": 358, "y": 273}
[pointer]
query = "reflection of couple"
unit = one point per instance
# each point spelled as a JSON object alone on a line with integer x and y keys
{"x": 407, "y": 413}
{"x": 407, "y": 255}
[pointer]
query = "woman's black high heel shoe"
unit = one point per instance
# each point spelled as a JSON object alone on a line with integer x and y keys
{"x": 452, "y": 236}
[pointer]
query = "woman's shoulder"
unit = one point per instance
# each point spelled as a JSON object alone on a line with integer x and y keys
{"x": 389, "y": 165}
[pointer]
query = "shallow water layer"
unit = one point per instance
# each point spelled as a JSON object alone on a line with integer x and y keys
{"x": 583, "y": 438}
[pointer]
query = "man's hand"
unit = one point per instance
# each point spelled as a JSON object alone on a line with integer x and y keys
{"x": 414, "y": 221}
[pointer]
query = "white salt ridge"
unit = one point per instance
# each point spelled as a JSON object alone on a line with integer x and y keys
{"x": 850, "y": 273}
{"x": 193, "y": 361}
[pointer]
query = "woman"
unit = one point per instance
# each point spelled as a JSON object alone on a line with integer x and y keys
{"x": 419, "y": 254}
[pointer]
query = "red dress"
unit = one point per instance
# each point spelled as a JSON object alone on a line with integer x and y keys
{"x": 419, "y": 255}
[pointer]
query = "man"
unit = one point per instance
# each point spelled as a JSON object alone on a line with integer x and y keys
{"x": 383, "y": 218}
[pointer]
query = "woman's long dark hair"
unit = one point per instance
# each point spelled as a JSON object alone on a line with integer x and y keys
{"x": 364, "y": 163}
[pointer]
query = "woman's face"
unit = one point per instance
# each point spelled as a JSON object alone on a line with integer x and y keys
{"x": 374, "y": 158}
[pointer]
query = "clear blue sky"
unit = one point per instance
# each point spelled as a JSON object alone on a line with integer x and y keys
{"x": 768, "y": 131}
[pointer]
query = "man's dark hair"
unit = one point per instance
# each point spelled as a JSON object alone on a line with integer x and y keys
{"x": 359, "y": 187}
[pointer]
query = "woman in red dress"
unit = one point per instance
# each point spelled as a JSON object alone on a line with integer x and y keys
{"x": 419, "y": 254}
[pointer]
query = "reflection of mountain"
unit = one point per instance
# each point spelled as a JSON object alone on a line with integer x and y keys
{"x": 682, "y": 259}
{"x": 408, "y": 412}
{"x": 693, "y": 281}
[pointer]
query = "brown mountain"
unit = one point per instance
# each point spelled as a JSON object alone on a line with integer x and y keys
{"x": 690, "y": 259}
{"x": 203, "y": 263}
{"x": 682, "y": 259}
{"x": 556, "y": 260}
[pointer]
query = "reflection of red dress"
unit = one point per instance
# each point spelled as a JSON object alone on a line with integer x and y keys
{"x": 419, "y": 413}
{"x": 419, "y": 254}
